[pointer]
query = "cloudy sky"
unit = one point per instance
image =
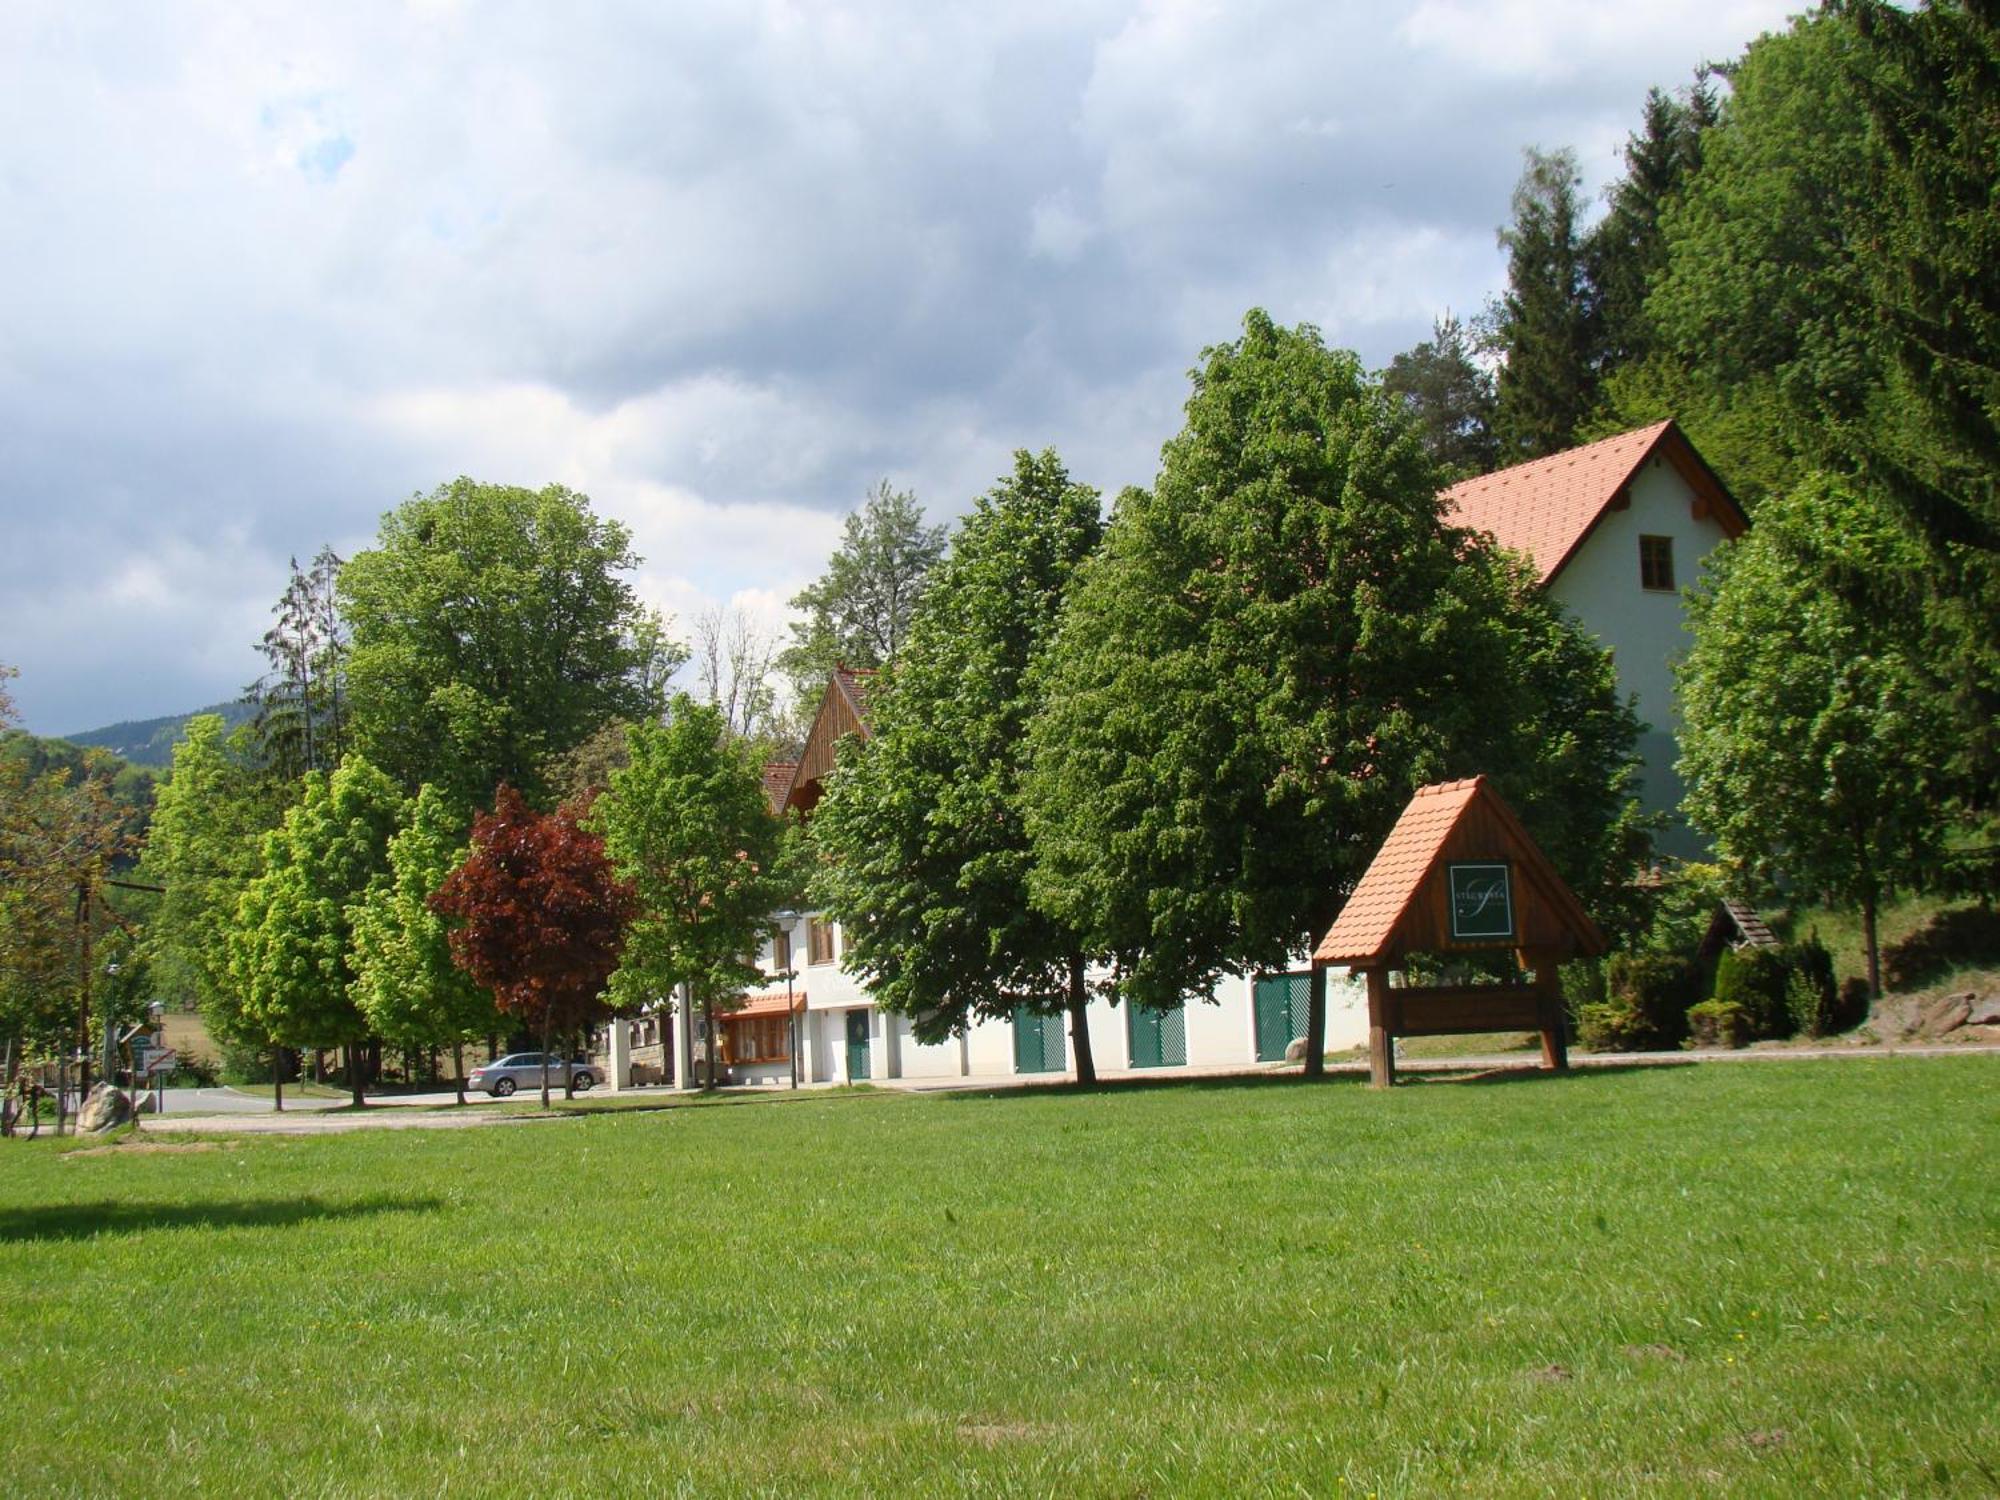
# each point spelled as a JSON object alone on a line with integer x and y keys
{"x": 266, "y": 270}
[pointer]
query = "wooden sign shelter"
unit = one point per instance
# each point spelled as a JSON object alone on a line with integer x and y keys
{"x": 1458, "y": 874}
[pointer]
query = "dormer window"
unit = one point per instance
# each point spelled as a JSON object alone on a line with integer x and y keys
{"x": 1656, "y": 563}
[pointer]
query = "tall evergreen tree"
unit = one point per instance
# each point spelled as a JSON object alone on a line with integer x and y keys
{"x": 925, "y": 851}
{"x": 1545, "y": 324}
{"x": 301, "y": 702}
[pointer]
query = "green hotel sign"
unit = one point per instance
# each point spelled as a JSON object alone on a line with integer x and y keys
{"x": 1482, "y": 901}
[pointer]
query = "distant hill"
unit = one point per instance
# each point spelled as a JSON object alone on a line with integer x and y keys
{"x": 150, "y": 742}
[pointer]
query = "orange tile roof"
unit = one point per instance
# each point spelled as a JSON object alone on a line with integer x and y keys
{"x": 1368, "y": 921}
{"x": 778, "y": 781}
{"x": 1547, "y": 506}
{"x": 768, "y": 1003}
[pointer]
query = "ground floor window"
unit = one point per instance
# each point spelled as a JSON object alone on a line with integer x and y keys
{"x": 755, "y": 1039}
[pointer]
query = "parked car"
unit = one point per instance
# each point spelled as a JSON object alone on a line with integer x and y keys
{"x": 524, "y": 1070}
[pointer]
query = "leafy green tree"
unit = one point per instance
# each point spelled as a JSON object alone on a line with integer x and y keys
{"x": 205, "y": 847}
{"x": 538, "y": 916}
{"x": 1270, "y": 651}
{"x": 858, "y": 611}
{"x": 62, "y": 830}
{"x": 1814, "y": 743}
{"x": 406, "y": 984}
{"x": 492, "y": 631}
{"x": 1545, "y": 325}
{"x": 291, "y": 953}
{"x": 926, "y": 856}
{"x": 686, "y": 823}
{"x": 1449, "y": 396}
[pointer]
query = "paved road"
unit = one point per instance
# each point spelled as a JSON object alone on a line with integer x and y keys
{"x": 227, "y": 1101}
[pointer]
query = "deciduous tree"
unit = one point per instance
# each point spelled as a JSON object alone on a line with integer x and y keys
{"x": 405, "y": 981}
{"x": 859, "y": 610}
{"x": 687, "y": 825}
{"x": 291, "y": 951}
{"x": 1271, "y": 650}
{"x": 493, "y": 631}
{"x": 1449, "y": 396}
{"x": 1815, "y": 744}
{"x": 538, "y": 916}
{"x": 925, "y": 851}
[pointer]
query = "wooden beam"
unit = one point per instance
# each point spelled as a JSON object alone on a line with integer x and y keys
{"x": 1554, "y": 1025}
{"x": 1381, "y": 1040}
{"x": 1455, "y": 1010}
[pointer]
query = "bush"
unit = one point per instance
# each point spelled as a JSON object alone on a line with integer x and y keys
{"x": 1754, "y": 981}
{"x": 1645, "y": 1006}
{"x": 1718, "y": 1023}
{"x": 1811, "y": 995}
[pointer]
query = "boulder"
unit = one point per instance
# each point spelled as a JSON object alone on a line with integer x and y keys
{"x": 1945, "y": 1014}
{"x": 1295, "y": 1050}
{"x": 104, "y": 1109}
{"x": 1985, "y": 1012}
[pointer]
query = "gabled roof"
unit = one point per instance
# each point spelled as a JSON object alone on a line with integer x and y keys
{"x": 778, "y": 781}
{"x": 843, "y": 710}
{"x": 1547, "y": 507}
{"x": 1375, "y": 926}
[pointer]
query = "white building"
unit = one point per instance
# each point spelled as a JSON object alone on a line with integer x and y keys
{"x": 1615, "y": 530}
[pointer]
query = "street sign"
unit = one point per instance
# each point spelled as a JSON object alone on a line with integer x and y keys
{"x": 161, "y": 1062}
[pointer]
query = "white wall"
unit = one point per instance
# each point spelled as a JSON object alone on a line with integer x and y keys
{"x": 1645, "y": 629}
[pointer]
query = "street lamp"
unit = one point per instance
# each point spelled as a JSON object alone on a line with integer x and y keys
{"x": 786, "y": 918}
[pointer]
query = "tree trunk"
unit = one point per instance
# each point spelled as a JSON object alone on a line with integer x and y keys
{"x": 548, "y": 1020}
{"x": 1316, "y": 1021}
{"x": 1079, "y": 1023}
{"x": 354, "y": 1084}
{"x": 458, "y": 1068}
{"x": 1871, "y": 941}
{"x": 708, "y": 1025}
{"x": 278, "y": 1080}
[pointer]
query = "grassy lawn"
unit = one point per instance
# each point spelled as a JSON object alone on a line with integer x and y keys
{"x": 1762, "y": 1279}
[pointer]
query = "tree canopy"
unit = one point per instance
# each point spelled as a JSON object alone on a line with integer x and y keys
{"x": 686, "y": 824}
{"x": 1545, "y": 322}
{"x": 537, "y": 916}
{"x": 858, "y": 611}
{"x": 493, "y": 631}
{"x": 292, "y": 943}
{"x": 1816, "y": 746}
{"x": 1449, "y": 396}
{"x": 1271, "y": 650}
{"x": 922, "y": 833}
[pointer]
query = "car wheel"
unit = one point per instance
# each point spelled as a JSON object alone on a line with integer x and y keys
{"x": 581, "y": 1082}
{"x": 503, "y": 1087}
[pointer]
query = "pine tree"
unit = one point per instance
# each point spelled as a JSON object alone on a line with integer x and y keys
{"x": 1545, "y": 326}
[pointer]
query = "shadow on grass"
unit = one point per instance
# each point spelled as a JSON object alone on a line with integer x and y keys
{"x": 81, "y": 1221}
{"x": 1530, "y": 1072}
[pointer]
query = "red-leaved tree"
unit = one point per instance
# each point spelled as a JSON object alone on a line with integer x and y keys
{"x": 540, "y": 916}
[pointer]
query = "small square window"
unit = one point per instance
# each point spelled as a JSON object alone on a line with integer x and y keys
{"x": 1656, "y": 563}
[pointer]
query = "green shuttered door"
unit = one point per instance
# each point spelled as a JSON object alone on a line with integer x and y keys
{"x": 1158, "y": 1038}
{"x": 1038, "y": 1043}
{"x": 1281, "y": 1001}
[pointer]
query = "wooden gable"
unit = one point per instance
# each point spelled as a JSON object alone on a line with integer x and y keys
{"x": 843, "y": 710}
{"x": 1458, "y": 873}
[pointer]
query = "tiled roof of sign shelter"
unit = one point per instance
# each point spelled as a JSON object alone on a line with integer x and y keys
{"x": 1548, "y": 506}
{"x": 1368, "y": 921}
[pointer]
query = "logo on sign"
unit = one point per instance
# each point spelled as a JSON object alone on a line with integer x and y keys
{"x": 1482, "y": 902}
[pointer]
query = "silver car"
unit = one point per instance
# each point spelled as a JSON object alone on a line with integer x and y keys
{"x": 520, "y": 1070}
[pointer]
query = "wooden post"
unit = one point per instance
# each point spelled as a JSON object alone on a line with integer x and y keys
{"x": 1381, "y": 1037}
{"x": 1555, "y": 1044}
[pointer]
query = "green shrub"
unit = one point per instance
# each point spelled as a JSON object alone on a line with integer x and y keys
{"x": 1718, "y": 1023}
{"x": 1645, "y": 1006}
{"x": 1754, "y": 981}
{"x": 1811, "y": 995}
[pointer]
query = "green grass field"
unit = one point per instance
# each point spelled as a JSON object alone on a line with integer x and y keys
{"x": 1749, "y": 1279}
